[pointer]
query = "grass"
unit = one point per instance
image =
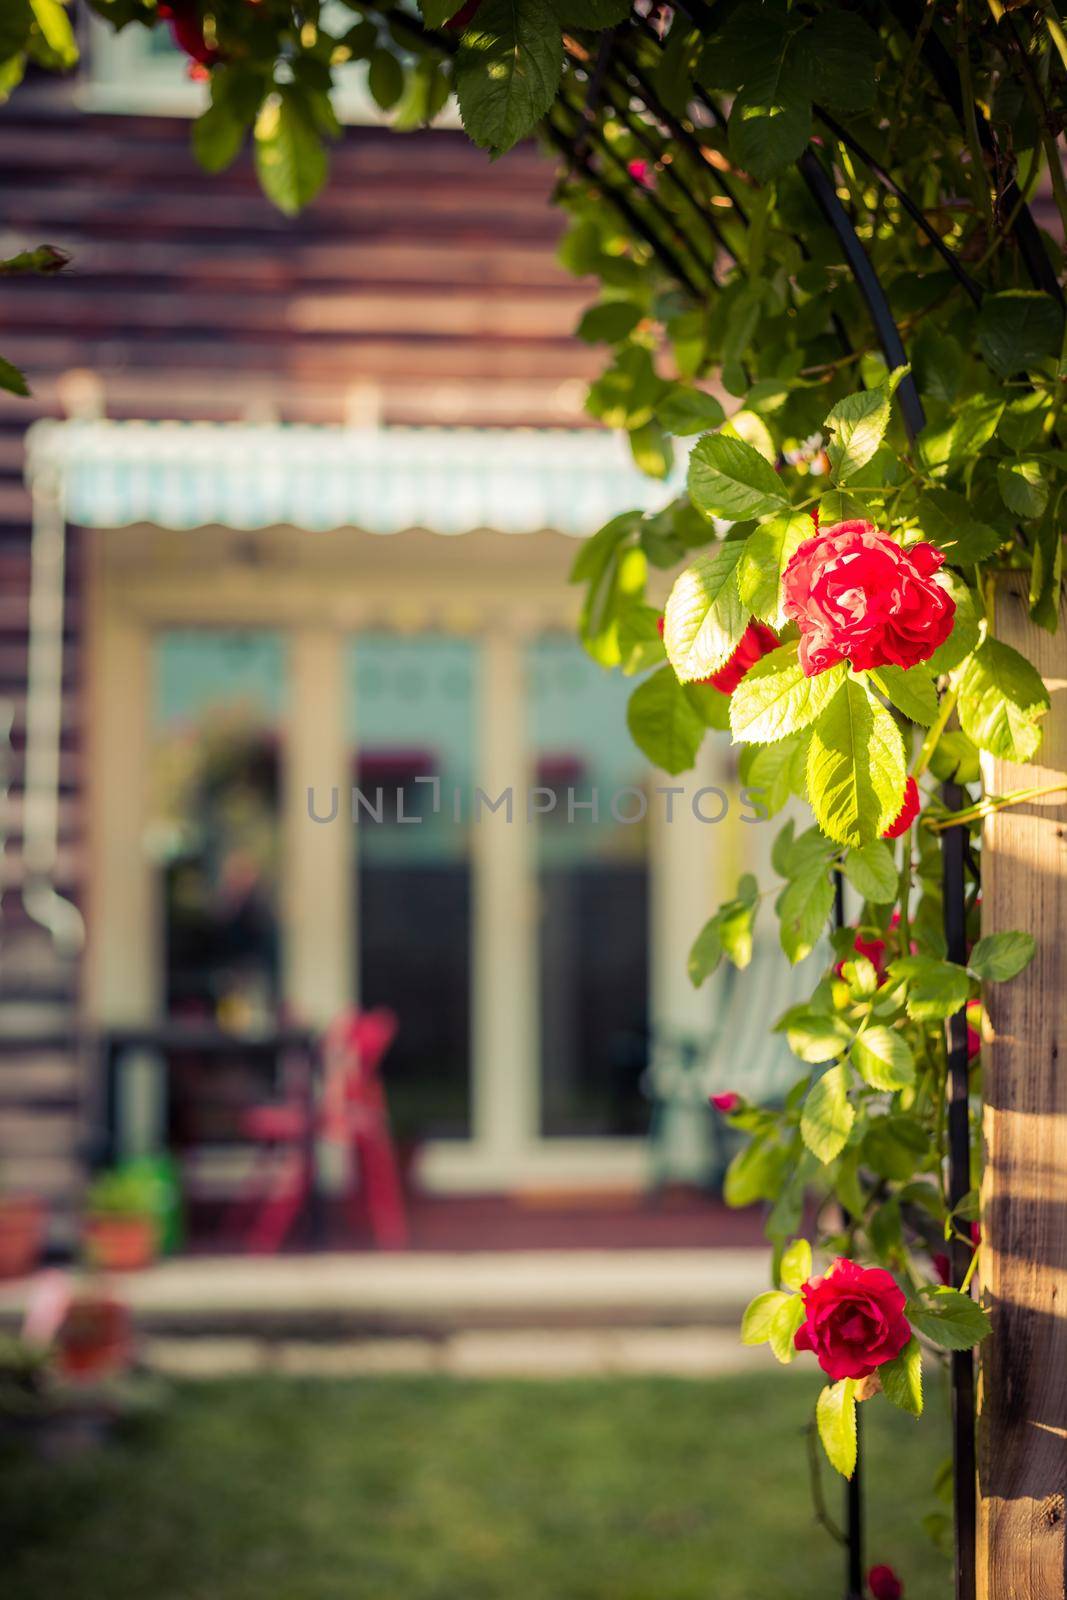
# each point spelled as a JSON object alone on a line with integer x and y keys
{"x": 438, "y": 1489}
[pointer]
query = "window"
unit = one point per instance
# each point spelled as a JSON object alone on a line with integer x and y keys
{"x": 413, "y": 718}
{"x": 592, "y": 874}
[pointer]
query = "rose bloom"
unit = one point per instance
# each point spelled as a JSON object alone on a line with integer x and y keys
{"x": 857, "y": 596}
{"x": 909, "y": 810}
{"x": 756, "y": 642}
{"x": 854, "y": 1320}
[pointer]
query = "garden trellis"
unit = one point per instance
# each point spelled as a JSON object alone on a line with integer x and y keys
{"x": 827, "y": 206}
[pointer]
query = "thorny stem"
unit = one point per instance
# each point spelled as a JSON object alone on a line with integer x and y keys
{"x": 991, "y": 804}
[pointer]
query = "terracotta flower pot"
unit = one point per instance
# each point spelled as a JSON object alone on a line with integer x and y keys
{"x": 120, "y": 1244}
{"x": 22, "y": 1224}
{"x": 95, "y": 1339}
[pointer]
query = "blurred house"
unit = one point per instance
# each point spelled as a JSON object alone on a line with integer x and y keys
{"x": 305, "y": 497}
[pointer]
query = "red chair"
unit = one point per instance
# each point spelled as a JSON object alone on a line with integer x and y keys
{"x": 352, "y": 1109}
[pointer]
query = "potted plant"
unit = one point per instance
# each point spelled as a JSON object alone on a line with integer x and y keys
{"x": 121, "y": 1230}
{"x": 22, "y": 1228}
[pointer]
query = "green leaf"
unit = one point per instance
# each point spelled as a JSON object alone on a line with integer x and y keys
{"x": 784, "y": 1324}
{"x": 767, "y": 553}
{"x": 949, "y": 1319}
{"x": 835, "y": 1414}
{"x": 776, "y": 697}
{"x": 290, "y": 158}
{"x": 911, "y": 691}
{"x": 795, "y": 1269}
{"x": 902, "y": 1379}
{"x": 755, "y": 1173}
{"x": 435, "y": 13}
{"x": 12, "y": 379}
{"x": 947, "y": 519}
{"x": 706, "y": 952}
{"x": 828, "y": 1114}
{"x": 843, "y": 52}
{"x": 685, "y": 410}
{"x": 705, "y": 619}
{"x": 58, "y": 35}
{"x": 872, "y": 872}
{"x": 768, "y": 133}
{"x": 385, "y": 79}
{"x": 1000, "y": 956}
{"x": 1018, "y": 329}
{"x": 663, "y": 724}
{"x": 964, "y": 636}
{"x": 883, "y": 1058}
{"x": 1001, "y": 700}
{"x": 217, "y": 138}
{"x": 1023, "y": 487}
{"x": 813, "y": 1035}
{"x": 856, "y": 767}
{"x": 759, "y": 1314}
{"x": 609, "y": 322}
{"x": 803, "y": 909}
{"x": 730, "y": 479}
{"x": 591, "y": 14}
{"x": 857, "y": 425}
{"x": 16, "y": 19}
{"x": 895, "y": 1146}
{"x": 934, "y": 989}
{"x": 507, "y": 71}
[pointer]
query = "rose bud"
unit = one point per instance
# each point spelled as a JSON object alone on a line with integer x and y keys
{"x": 884, "y": 1583}
{"x": 726, "y": 1102}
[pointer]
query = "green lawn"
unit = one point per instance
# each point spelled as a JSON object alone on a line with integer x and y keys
{"x": 436, "y": 1489}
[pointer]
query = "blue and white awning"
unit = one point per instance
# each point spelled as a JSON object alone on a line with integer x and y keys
{"x": 382, "y": 480}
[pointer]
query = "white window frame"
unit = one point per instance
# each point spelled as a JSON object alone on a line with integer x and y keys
{"x": 318, "y": 591}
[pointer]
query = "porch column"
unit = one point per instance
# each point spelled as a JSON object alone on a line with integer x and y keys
{"x": 318, "y": 887}
{"x": 504, "y": 1002}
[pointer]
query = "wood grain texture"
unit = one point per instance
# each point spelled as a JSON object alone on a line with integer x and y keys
{"x": 1023, "y": 1384}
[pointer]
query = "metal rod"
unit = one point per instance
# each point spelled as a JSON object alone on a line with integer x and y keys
{"x": 854, "y": 1485}
{"x": 953, "y": 844}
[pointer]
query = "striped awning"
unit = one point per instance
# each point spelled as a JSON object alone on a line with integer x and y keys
{"x": 381, "y": 480}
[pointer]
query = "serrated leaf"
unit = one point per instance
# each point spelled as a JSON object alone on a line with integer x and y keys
{"x": 795, "y": 1269}
{"x": 883, "y": 1058}
{"x": 766, "y": 555}
{"x": 1002, "y": 956}
{"x": 290, "y": 158}
{"x": 856, "y": 767}
{"x": 902, "y": 1379}
{"x": 1001, "y": 700}
{"x": 803, "y": 910}
{"x": 828, "y": 1115}
{"x": 53, "y": 21}
{"x": 12, "y": 379}
{"x": 1017, "y": 329}
{"x": 813, "y": 1036}
{"x": 591, "y": 14}
{"x": 911, "y": 691}
{"x": 759, "y": 1314}
{"x": 705, "y": 619}
{"x": 507, "y": 71}
{"x": 1023, "y": 486}
{"x": 835, "y": 1415}
{"x": 857, "y": 426}
{"x": 949, "y": 1319}
{"x": 784, "y": 1324}
{"x": 663, "y": 724}
{"x": 729, "y": 478}
{"x": 776, "y": 697}
{"x": 609, "y": 322}
{"x": 217, "y": 137}
{"x": 685, "y": 410}
{"x": 872, "y": 872}
{"x": 768, "y": 132}
{"x": 755, "y": 1173}
{"x": 934, "y": 989}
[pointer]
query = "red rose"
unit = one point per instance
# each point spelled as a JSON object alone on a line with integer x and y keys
{"x": 641, "y": 172}
{"x": 756, "y": 642}
{"x": 857, "y": 596}
{"x": 855, "y": 1320}
{"x": 725, "y": 1102}
{"x": 884, "y": 1584}
{"x": 909, "y": 810}
{"x": 974, "y": 1029}
{"x": 187, "y": 30}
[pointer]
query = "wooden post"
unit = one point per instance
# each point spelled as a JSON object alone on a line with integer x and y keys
{"x": 1022, "y": 1474}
